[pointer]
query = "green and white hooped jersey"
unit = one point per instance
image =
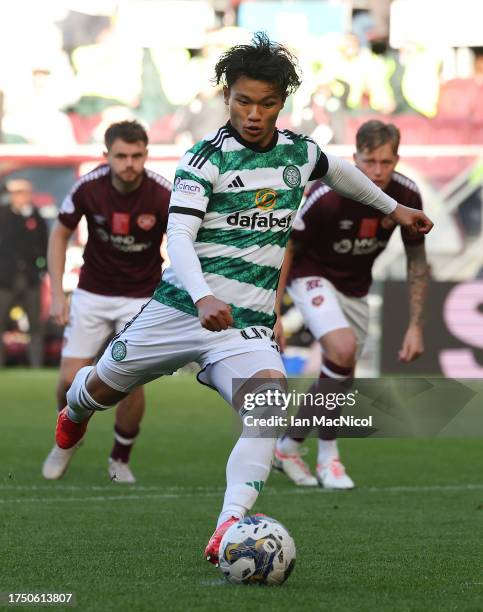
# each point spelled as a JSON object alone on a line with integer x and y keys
{"x": 247, "y": 198}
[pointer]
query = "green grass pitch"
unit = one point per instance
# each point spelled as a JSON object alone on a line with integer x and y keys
{"x": 407, "y": 539}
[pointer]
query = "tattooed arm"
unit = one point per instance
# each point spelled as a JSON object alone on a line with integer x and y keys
{"x": 418, "y": 274}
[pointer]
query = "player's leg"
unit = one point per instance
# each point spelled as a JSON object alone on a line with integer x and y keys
{"x": 250, "y": 460}
{"x": 129, "y": 415}
{"x": 338, "y": 356}
{"x": 130, "y": 410}
{"x": 87, "y": 331}
{"x": 317, "y": 300}
{"x": 157, "y": 342}
{"x": 58, "y": 460}
{"x": 68, "y": 368}
{"x": 330, "y": 471}
{"x": 338, "y": 362}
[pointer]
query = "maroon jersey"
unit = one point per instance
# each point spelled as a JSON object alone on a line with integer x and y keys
{"x": 339, "y": 239}
{"x": 121, "y": 257}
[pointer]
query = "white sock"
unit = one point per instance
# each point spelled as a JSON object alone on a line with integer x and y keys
{"x": 327, "y": 451}
{"x": 247, "y": 470}
{"x": 288, "y": 446}
{"x": 80, "y": 404}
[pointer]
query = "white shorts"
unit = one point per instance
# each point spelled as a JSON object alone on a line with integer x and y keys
{"x": 93, "y": 319}
{"x": 161, "y": 339}
{"x": 325, "y": 309}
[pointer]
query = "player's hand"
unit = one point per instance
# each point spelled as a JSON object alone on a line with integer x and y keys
{"x": 214, "y": 314}
{"x": 413, "y": 220}
{"x": 413, "y": 344}
{"x": 279, "y": 335}
{"x": 59, "y": 310}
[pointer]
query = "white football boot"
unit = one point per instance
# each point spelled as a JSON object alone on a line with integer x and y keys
{"x": 57, "y": 462}
{"x": 332, "y": 475}
{"x": 120, "y": 472}
{"x": 295, "y": 468}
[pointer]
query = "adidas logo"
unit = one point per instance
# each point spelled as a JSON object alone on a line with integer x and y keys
{"x": 237, "y": 182}
{"x": 256, "y": 484}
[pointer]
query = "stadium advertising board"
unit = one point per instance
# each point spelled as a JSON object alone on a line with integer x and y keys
{"x": 453, "y": 330}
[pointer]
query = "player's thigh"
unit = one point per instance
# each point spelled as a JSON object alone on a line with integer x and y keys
{"x": 89, "y": 325}
{"x": 318, "y": 302}
{"x": 238, "y": 374}
{"x": 156, "y": 342}
{"x": 68, "y": 368}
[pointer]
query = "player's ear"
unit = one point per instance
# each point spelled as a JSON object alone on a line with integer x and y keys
{"x": 105, "y": 154}
{"x": 226, "y": 95}
{"x": 354, "y": 157}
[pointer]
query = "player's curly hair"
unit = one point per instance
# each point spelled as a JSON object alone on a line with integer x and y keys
{"x": 262, "y": 60}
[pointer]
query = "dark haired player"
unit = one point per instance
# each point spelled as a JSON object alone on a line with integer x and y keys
{"x": 234, "y": 200}
{"x": 126, "y": 208}
{"x": 333, "y": 246}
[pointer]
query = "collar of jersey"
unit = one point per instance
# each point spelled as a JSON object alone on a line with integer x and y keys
{"x": 250, "y": 145}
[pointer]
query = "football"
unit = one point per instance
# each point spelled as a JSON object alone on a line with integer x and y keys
{"x": 257, "y": 550}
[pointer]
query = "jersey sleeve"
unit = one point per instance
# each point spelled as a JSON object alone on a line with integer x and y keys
{"x": 165, "y": 196}
{"x": 71, "y": 209}
{"x": 194, "y": 183}
{"x": 350, "y": 182}
{"x": 162, "y": 195}
{"x": 306, "y": 227}
{"x": 321, "y": 165}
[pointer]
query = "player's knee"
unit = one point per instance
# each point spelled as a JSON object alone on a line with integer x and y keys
{"x": 263, "y": 406}
{"x": 66, "y": 377}
{"x": 343, "y": 351}
{"x": 78, "y": 396}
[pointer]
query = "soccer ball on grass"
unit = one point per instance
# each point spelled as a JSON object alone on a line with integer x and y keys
{"x": 257, "y": 550}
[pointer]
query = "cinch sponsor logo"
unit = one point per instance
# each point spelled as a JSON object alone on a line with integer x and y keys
{"x": 186, "y": 186}
{"x": 265, "y": 199}
{"x": 258, "y": 221}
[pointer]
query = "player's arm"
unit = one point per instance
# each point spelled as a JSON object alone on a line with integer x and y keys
{"x": 418, "y": 275}
{"x": 56, "y": 252}
{"x": 186, "y": 212}
{"x": 350, "y": 182}
{"x": 183, "y": 227}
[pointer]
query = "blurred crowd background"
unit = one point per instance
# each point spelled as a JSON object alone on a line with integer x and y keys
{"x": 70, "y": 68}
{"x": 74, "y": 67}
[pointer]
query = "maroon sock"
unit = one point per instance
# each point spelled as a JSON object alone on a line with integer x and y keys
{"x": 329, "y": 372}
{"x": 305, "y": 411}
{"x": 123, "y": 443}
{"x": 340, "y": 376}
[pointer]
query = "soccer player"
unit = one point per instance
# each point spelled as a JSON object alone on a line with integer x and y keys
{"x": 126, "y": 208}
{"x": 333, "y": 246}
{"x": 234, "y": 198}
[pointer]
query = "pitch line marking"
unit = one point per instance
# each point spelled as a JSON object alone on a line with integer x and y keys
{"x": 109, "y": 485}
{"x": 207, "y": 492}
{"x": 273, "y": 490}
